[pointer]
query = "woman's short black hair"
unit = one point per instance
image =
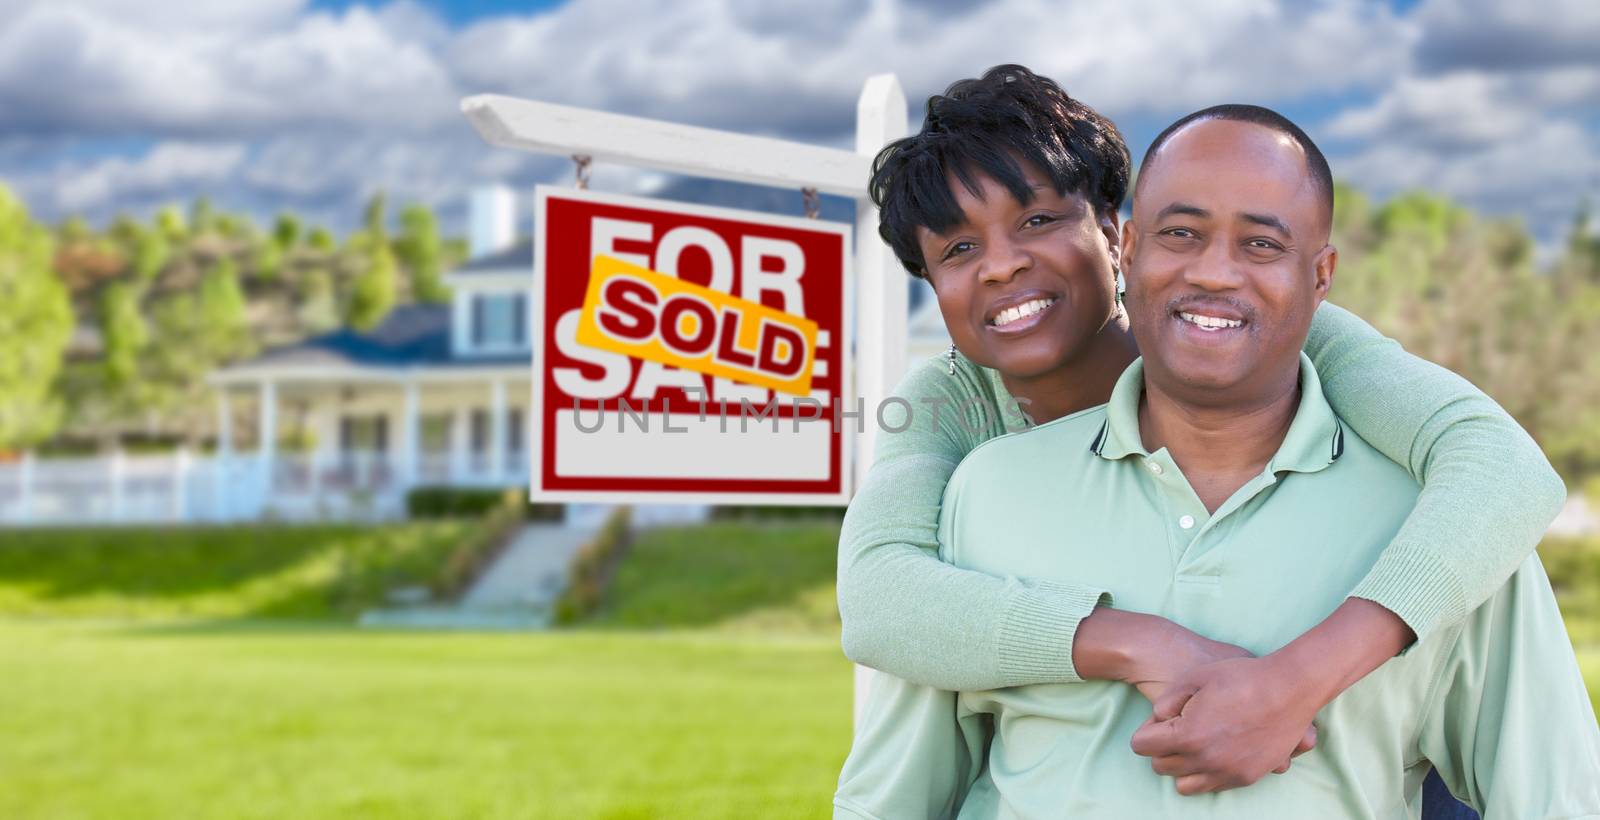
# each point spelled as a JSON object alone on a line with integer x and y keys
{"x": 984, "y": 126}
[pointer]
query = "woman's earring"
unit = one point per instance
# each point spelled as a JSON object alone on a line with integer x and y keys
{"x": 1122, "y": 287}
{"x": 950, "y": 358}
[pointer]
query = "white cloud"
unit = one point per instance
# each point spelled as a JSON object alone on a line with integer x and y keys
{"x": 277, "y": 105}
{"x": 1508, "y": 36}
{"x": 1538, "y": 175}
{"x": 697, "y": 62}
{"x": 65, "y": 68}
{"x": 166, "y": 166}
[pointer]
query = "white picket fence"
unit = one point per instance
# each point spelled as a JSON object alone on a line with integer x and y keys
{"x": 183, "y": 488}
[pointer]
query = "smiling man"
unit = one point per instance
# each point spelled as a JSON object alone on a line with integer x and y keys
{"x": 1216, "y": 486}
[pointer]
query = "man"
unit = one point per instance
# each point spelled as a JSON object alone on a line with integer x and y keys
{"x": 1217, "y": 485}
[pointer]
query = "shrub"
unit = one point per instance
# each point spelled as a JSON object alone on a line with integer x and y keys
{"x": 593, "y": 567}
{"x": 458, "y": 502}
{"x": 777, "y": 513}
{"x": 476, "y": 552}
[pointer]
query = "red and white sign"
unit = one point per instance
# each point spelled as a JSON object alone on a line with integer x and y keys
{"x": 688, "y": 354}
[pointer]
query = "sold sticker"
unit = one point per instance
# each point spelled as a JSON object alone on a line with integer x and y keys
{"x": 638, "y": 312}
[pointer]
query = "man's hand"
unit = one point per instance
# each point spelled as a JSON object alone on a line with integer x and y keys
{"x": 1226, "y": 724}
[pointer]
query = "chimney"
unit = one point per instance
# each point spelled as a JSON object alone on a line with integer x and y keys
{"x": 493, "y": 215}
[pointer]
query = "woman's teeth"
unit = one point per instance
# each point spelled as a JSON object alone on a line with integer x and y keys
{"x": 1209, "y": 322}
{"x": 1021, "y": 311}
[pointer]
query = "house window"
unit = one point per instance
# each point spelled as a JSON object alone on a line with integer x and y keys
{"x": 514, "y": 430}
{"x": 364, "y": 433}
{"x": 480, "y": 432}
{"x": 499, "y": 321}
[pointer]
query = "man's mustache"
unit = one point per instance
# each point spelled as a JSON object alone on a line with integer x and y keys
{"x": 1226, "y": 307}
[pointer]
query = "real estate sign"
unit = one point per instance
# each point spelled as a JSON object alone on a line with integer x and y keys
{"x": 690, "y": 354}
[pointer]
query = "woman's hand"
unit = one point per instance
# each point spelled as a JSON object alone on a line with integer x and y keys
{"x": 1167, "y": 652}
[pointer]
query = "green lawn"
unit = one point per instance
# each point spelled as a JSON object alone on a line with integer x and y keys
{"x": 742, "y": 710}
{"x": 739, "y": 577}
{"x": 273, "y": 721}
{"x": 218, "y": 572}
{"x": 710, "y": 686}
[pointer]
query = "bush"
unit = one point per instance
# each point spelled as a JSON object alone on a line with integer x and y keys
{"x": 777, "y": 513}
{"x": 593, "y": 567}
{"x": 476, "y": 552}
{"x": 459, "y": 502}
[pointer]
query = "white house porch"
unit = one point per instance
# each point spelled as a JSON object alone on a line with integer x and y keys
{"x": 349, "y": 443}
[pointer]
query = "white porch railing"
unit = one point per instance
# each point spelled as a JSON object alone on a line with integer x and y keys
{"x": 179, "y": 487}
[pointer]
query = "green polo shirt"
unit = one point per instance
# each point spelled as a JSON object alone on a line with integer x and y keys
{"x": 1495, "y": 702}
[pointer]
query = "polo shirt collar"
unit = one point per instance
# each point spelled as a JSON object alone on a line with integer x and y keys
{"x": 1315, "y": 438}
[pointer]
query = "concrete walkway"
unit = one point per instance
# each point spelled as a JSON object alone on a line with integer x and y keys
{"x": 532, "y": 572}
{"x": 517, "y": 592}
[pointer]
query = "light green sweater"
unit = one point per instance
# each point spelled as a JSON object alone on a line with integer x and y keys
{"x": 1488, "y": 495}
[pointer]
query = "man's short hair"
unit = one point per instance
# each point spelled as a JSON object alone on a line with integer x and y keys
{"x": 1316, "y": 163}
{"x": 984, "y": 126}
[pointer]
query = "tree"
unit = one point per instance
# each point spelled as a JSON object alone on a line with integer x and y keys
{"x": 224, "y": 328}
{"x": 418, "y": 248}
{"x": 321, "y": 240}
{"x": 202, "y": 217}
{"x": 373, "y": 293}
{"x": 286, "y": 230}
{"x": 170, "y": 223}
{"x": 267, "y": 259}
{"x": 124, "y": 335}
{"x": 36, "y": 321}
{"x": 375, "y": 217}
{"x": 318, "y": 310}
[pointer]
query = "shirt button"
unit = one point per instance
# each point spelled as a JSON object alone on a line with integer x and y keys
{"x": 1186, "y": 522}
{"x": 1155, "y": 466}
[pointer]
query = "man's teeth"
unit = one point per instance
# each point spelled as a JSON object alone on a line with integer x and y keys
{"x": 1021, "y": 311}
{"x": 1209, "y": 322}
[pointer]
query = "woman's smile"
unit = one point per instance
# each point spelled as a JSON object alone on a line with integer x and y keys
{"x": 1020, "y": 312}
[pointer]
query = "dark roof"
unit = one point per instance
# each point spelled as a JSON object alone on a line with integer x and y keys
{"x": 518, "y": 258}
{"x": 410, "y": 335}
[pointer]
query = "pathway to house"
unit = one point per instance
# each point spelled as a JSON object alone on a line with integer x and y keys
{"x": 531, "y": 573}
{"x": 517, "y": 592}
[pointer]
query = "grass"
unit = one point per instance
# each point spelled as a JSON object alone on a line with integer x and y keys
{"x": 270, "y": 721}
{"x": 731, "y": 576}
{"x": 710, "y": 686}
{"x": 219, "y": 572}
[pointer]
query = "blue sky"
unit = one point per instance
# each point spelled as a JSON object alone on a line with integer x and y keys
{"x": 112, "y": 106}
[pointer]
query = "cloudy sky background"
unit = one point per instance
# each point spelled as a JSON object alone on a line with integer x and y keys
{"x": 111, "y": 106}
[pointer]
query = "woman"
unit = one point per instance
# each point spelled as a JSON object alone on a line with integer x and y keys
{"x": 1488, "y": 492}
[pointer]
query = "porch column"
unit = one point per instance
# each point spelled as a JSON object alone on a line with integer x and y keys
{"x": 224, "y": 455}
{"x": 267, "y": 436}
{"x": 459, "y": 444}
{"x": 224, "y": 424}
{"x": 409, "y": 430}
{"x": 116, "y": 472}
{"x": 497, "y": 430}
{"x": 180, "y": 485}
{"x": 25, "y": 474}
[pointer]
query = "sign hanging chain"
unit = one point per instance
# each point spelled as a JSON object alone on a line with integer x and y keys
{"x": 812, "y": 202}
{"x": 581, "y": 173}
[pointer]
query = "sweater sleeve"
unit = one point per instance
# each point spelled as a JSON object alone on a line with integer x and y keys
{"x": 903, "y": 610}
{"x": 1488, "y": 492}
